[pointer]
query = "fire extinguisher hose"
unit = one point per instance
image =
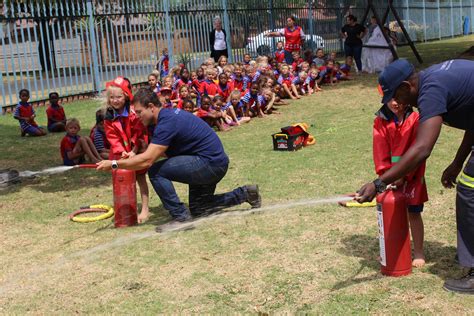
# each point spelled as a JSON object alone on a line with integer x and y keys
{"x": 107, "y": 210}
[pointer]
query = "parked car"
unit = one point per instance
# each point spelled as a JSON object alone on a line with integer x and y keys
{"x": 262, "y": 45}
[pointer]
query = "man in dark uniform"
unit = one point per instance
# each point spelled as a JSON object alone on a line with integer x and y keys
{"x": 443, "y": 94}
{"x": 194, "y": 155}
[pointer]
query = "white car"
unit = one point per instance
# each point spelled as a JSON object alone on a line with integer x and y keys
{"x": 262, "y": 45}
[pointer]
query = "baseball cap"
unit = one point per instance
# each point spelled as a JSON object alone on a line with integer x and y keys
{"x": 392, "y": 76}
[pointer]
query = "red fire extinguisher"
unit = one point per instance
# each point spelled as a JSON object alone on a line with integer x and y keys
{"x": 394, "y": 236}
{"x": 125, "y": 197}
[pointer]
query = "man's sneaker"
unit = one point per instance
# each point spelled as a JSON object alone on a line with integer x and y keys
{"x": 175, "y": 224}
{"x": 253, "y": 196}
{"x": 464, "y": 285}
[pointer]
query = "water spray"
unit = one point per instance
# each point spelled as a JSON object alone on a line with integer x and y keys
{"x": 10, "y": 176}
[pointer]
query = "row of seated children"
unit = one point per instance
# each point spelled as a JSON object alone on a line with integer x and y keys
{"x": 262, "y": 84}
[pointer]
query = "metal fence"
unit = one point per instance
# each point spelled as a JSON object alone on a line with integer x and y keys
{"x": 74, "y": 47}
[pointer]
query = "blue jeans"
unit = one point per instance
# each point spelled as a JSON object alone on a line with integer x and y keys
{"x": 356, "y": 52}
{"x": 202, "y": 178}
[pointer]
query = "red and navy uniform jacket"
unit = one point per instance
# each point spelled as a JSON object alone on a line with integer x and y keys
{"x": 67, "y": 145}
{"x": 391, "y": 140}
{"x": 297, "y": 64}
{"x": 280, "y": 56}
{"x": 163, "y": 65}
{"x": 276, "y": 73}
{"x": 179, "y": 83}
{"x": 297, "y": 81}
{"x": 99, "y": 139}
{"x": 196, "y": 84}
{"x": 123, "y": 131}
{"x": 257, "y": 75}
{"x": 292, "y": 39}
{"x": 225, "y": 91}
{"x": 202, "y": 113}
{"x": 56, "y": 113}
{"x": 311, "y": 82}
{"x": 250, "y": 100}
{"x": 209, "y": 88}
{"x": 325, "y": 72}
{"x": 346, "y": 69}
{"x": 25, "y": 109}
{"x": 285, "y": 80}
{"x": 240, "y": 83}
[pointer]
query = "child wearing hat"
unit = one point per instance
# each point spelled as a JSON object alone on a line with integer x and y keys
{"x": 125, "y": 133}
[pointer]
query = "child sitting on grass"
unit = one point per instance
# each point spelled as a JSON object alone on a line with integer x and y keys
{"x": 394, "y": 132}
{"x": 210, "y": 116}
{"x": 188, "y": 106}
{"x": 55, "y": 114}
{"x": 297, "y": 84}
{"x": 154, "y": 83}
{"x": 311, "y": 84}
{"x": 285, "y": 80}
{"x": 74, "y": 148}
{"x": 98, "y": 137}
{"x": 25, "y": 114}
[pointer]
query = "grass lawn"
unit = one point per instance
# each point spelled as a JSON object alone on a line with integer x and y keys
{"x": 319, "y": 258}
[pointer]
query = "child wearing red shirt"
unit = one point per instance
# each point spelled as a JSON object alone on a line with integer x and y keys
{"x": 394, "y": 133}
{"x": 210, "y": 116}
{"x": 224, "y": 88}
{"x": 280, "y": 52}
{"x": 25, "y": 114}
{"x": 209, "y": 87}
{"x": 74, "y": 148}
{"x": 55, "y": 114}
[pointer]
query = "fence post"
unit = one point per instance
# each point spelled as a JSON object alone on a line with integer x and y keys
{"x": 310, "y": 19}
{"x": 272, "y": 22}
{"x": 472, "y": 15}
{"x": 93, "y": 39}
{"x": 339, "y": 25}
{"x": 229, "y": 33}
{"x": 439, "y": 19}
{"x": 407, "y": 16}
{"x": 424, "y": 20}
{"x": 1, "y": 76}
{"x": 452, "y": 18}
{"x": 168, "y": 33}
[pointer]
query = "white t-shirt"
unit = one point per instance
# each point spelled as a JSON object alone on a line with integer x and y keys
{"x": 219, "y": 41}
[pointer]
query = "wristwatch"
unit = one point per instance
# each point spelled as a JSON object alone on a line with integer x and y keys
{"x": 380, "y": 186}
{"x": 114, "y": 165}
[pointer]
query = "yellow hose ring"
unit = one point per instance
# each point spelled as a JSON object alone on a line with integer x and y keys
{"x": 108, "y": 212}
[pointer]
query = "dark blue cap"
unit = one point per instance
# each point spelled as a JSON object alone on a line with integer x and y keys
{"x": 392, "y": 76}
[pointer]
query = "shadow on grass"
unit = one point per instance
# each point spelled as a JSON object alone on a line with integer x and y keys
{"x": 158, "y": 216}
{"x": 440, "y": 259}
{"x": 70, "y": 181}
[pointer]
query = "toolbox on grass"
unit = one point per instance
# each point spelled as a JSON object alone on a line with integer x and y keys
{"x": 290, "y": 138}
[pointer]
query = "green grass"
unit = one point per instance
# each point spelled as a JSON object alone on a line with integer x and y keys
{"x": 319, "y": 259}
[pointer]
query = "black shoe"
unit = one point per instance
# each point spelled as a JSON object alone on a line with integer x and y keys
{"x": 465, "y": 285}
{"x": 456, "y": 259}
{"x": 253, "y": 196}
{"x": 175, "y": 224}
